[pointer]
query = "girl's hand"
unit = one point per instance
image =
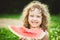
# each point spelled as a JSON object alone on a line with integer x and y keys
{"x": 23, "y": 39}
{"x": 26, "y": 39}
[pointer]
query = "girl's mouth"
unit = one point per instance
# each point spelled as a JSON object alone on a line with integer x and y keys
{"x": 34, "y": 23}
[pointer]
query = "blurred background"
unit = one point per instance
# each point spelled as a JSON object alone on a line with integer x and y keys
{"x": 10, "y": 14}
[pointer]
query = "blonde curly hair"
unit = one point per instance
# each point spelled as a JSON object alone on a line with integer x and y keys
{"x": 44, "y": 11}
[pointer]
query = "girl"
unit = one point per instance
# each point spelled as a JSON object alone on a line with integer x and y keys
{"x": 36, "y": 15}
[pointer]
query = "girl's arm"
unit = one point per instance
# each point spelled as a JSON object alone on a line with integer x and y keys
{"x": 46, "y": 36}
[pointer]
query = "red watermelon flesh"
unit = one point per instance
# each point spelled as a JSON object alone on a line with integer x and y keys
{"x": 27, "y": 33}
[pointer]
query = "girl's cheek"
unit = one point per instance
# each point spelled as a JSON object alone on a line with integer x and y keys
{"x": 30, "y": 18}
{"x": 38, "y": 18}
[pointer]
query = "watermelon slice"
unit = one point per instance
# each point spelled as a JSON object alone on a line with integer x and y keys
{"x": 22, "y": 32}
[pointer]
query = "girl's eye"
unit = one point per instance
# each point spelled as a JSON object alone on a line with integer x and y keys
{"x": 38, "y": 16}
{"x": 31, "y": 16}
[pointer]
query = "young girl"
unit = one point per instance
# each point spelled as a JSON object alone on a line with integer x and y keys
{"x": 36, "y": 15}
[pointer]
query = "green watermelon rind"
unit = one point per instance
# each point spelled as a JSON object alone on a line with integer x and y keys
{"x": 20, "y": 36}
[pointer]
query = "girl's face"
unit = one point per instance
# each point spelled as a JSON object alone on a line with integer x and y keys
{"x": 35, "y": 18}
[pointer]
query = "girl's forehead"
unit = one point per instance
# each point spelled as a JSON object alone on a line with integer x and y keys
{"x": 35, "y": 10}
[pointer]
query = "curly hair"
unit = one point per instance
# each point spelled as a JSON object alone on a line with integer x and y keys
{"x": 44, "y": 11}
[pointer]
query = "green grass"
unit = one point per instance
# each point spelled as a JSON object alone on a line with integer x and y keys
{"x": 6, "y": 34}
{"x": 13, "y": 16}
{"x": 55, "y": 28}
{"x": 54, "y": 32}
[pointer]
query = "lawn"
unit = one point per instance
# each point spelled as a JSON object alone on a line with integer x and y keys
{"x": 6, "y": 34}
{"x": 54, "y": 28}
{"x": 13, "y": 16}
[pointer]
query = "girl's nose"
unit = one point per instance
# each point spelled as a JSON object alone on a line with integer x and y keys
{"x": 34, "y": 18}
